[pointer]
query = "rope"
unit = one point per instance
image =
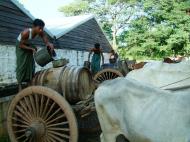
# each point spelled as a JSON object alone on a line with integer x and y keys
{"x": 175, "y": 82}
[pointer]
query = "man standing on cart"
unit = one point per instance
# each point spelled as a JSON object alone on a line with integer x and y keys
{"x": 25, "y": 65}
{"x": 96, "y": 58}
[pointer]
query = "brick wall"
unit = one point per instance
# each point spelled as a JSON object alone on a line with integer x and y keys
{"x": 8, "y": 61}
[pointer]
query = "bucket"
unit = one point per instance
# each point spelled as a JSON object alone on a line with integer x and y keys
{"x": 87, "y": 64}
{"x": 43, "y": 57}
{"x": 60, "y": 62}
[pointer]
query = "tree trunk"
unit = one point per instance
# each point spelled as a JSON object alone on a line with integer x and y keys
{"x": 114, "y": 42}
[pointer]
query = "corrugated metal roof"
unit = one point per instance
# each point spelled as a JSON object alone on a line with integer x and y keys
{"x": 61, "y": 26}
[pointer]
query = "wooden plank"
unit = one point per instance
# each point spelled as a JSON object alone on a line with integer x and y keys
{"x": 8, "y": 4}
{"x": 12, "y": 40}
{"x": 16, "y": 17}
{"x": 12, "y": 25}
{"x": 15, "y": 22}
{"x": 8, "y": 10}
{"x": 81, "y": 45}
{"x": 78, "y": 36}
{"x": 12, "y": 30}
{"x": 82, "y": 38}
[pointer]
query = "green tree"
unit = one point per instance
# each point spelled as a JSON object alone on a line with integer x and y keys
{"x": 75, "y": 8}
{"x": 114, "y": 15}
{"x": 161, "y": 30}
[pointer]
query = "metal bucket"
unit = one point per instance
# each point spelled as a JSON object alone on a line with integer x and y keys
{"x": 43, "y": 57}
{"x": 87, "y": 64}
{"x": 60, "y": 63}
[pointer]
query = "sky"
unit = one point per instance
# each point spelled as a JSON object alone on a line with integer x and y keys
{"x": 45, "y": 9}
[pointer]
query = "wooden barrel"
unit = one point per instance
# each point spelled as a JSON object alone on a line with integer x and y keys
{"x": 74, "y": 83}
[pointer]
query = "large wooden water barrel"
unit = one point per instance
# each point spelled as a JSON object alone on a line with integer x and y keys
{"x": 74, "y": 83}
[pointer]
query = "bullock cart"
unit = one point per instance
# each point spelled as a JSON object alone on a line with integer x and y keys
{"x": 112, "y": 71}
{"x": 55, "y": 108}
{"x": 108, "y": 71}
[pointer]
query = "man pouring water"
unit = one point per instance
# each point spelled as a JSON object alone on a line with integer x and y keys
{"x": 25, "y": 65}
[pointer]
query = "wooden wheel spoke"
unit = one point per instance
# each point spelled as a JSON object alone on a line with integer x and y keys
{"x": 49, "y": 110}
{"x": 59, "y": 129}
{"x": 98, "y": 79}
{"x": 41, "y": 105}
{"x": 58, "y": 124}
{"x": 20, "y": 137}
{"x": 23, "y": 122}
{"x": 20, "y": 131}
{"x": 25, "y": 108}
{"x": 57, "y": 118}
{"x": 107, "y": 75}
{"x": 55, "y": 138}
{"x": 19, "y": 125}
{"x": 53, "y": 114}
{"x": 101, "y": 77}
{"x": 59, "y": 134}
{"x": 23, "y": 113}
{"x": 37, "y": 105}
{"x": 45, "y": 109}
{"x": 49, "y": 139}
{"x": 113, "y": 75}
{"x": 32, "y": 104}
{"x": 29, "y": 107}
{"x": 21, "y": 116}
{"x": 104, "y": 76}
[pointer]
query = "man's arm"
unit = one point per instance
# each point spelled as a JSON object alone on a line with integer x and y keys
{"x": 46, "y": 41}
{"x": 23, "y": 41}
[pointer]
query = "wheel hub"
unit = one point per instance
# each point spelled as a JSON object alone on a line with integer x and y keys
{"x": 37, "y": 129}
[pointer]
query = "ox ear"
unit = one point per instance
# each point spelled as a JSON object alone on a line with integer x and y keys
{"x": 121, "y": 138}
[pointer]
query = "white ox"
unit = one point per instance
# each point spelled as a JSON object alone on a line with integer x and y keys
{"x": 143, "y": 112}
{"x": 163, "y": 75}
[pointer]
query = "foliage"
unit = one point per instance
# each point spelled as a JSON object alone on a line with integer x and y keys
{"x": 114, "y": 15}
{"x": 163, "y": 30}
{"x": 141, "y": 28}
{"x": 75, "y": 8}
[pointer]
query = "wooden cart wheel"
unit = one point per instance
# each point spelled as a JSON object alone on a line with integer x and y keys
{"x": 107, "y": 74}
{"x": 39, "y": 114}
